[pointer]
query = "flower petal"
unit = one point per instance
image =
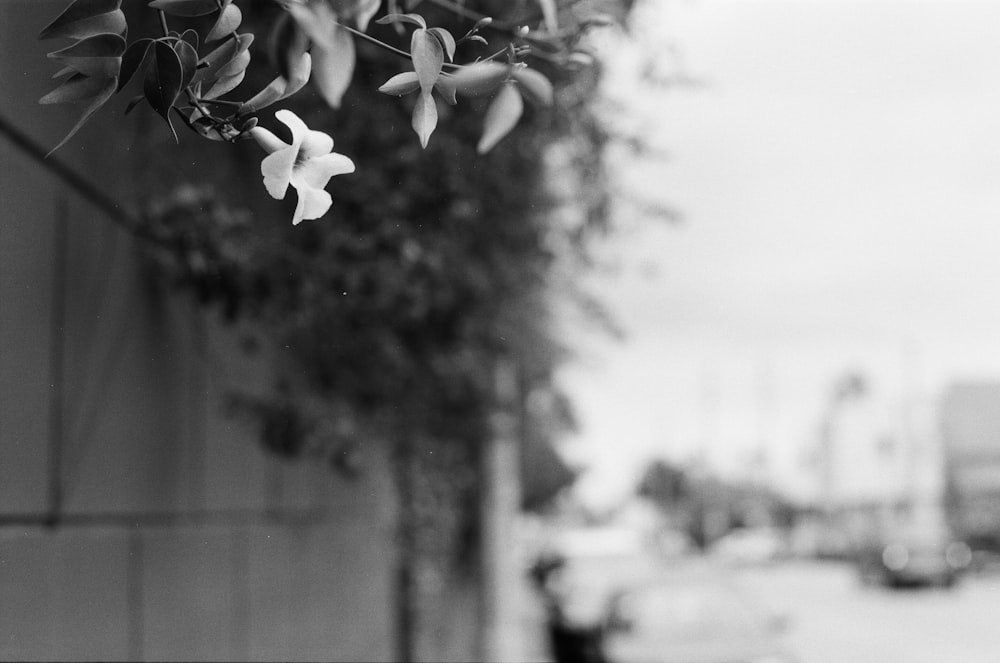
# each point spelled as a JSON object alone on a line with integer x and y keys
{"x": 316, "y": 172}
{"x": 267, "y": 140}
{"x": 277, "y": 170}
{"x": 293, "y": 122}
{"x": 314, "y": 144}
{"x": 312, "y": 204}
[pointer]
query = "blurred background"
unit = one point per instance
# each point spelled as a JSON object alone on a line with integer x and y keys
{"x": 705, "y": 369}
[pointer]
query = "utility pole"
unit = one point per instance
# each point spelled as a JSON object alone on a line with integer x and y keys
{"x": 501, "y": 500}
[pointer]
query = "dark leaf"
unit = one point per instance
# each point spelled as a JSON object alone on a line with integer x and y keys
{"x": 132, "y": 60}
{"x": 164, "y": 77}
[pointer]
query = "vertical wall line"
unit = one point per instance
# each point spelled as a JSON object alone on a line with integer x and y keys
{"x": 57, "y": 361}
{"x": 135, "y": 596}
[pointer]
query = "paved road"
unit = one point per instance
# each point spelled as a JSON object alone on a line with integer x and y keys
{"x": 833, "y": 619}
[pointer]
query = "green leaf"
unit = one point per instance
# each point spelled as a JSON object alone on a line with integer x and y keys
{"x": 164, "y": 77}
{"x": 428, "y": 58}
{"x": 86, "y": 18}
{"x": 425, "y": 117}
{"x": 99, "y": 55}
{"x": 401, "y": 84}
{"x": 98, "y": 100}
{"x": 534, "y": 85}
{"x": 501, "y": 117}
{"x": 414, "y": 19}
{"x": 447, "y": 41}
{"x": 479, "y": 78}
{"x": 132, "y": 60}
{"x": 229, "y": 20}
{"x": 333, "y": 66}
{"x": 187, "y": 8}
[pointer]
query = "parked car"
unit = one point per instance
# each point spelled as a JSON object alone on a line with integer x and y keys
{"x": 911, "y": 561}
{"x": 690, "y": 617}
{"x": 751, "y": 546}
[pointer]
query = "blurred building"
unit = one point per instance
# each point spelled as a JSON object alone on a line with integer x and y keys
{"x": 879, "y": 467}
{"x": 970, "y": 426}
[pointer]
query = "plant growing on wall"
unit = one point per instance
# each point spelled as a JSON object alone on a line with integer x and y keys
{"x": 193, "y": 70}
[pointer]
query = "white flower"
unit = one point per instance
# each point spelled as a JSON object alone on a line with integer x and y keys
{"x": 307, "y": 164}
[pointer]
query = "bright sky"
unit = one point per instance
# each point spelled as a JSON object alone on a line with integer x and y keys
{"x": 839, "y": 178}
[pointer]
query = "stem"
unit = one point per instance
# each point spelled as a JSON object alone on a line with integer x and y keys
{"x": 377, "y": 42}
{"x": 163, "y": 22}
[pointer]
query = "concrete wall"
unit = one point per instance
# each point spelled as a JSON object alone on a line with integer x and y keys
{"x": 175, "y": 537}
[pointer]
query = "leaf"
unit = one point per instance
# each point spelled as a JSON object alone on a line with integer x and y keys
{"x": 414, "y": 19}
{"x": 447, "y": 41}
{"x": 446, "y": 88}
{"x": 534, "y": 85}
{"x": 187, "y": 8}
{"x": 428, "y": 58}
{"x": 425, "y": 117}
{"x": 78, "y": 87}
{"x": 549, "y": 15}
{"x": 188, "y": 57}
{"x": 364, "y": 11}
{"x": 286, "y": 42}
{"x": 224, "y": 85}
{"x": 86, "y": 18}
{"x": 280, "y": 88}
{"x": 333, "y": 66}
{"x": 163, "y": 80}
{"x": 99, "y": 55}
{"x": 222, "y": 56}
{"x": 501, "y": 117}
{"x": 479, "y": 78}
{"x": 401, "y": 84}
{"x": 132, "y": 60}
{"x": 133, "y": 102}
{"x": 237, "y": 65}
{"x": 102, "y": 96}
{"x": 229, "y": 20}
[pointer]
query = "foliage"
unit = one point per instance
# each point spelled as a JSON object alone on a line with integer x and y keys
{"x": 200, "y": 58}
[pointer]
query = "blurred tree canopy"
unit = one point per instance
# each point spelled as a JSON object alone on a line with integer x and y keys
{"x": 433, "y": 265}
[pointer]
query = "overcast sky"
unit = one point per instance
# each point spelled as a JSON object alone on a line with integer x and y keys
{"x": 839, "y": 177}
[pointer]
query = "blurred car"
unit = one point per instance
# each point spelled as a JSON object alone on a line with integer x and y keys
{"x": 751, "y": 546}
{"x": 689, "y": 617}
{"x": 914, "y": 561}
